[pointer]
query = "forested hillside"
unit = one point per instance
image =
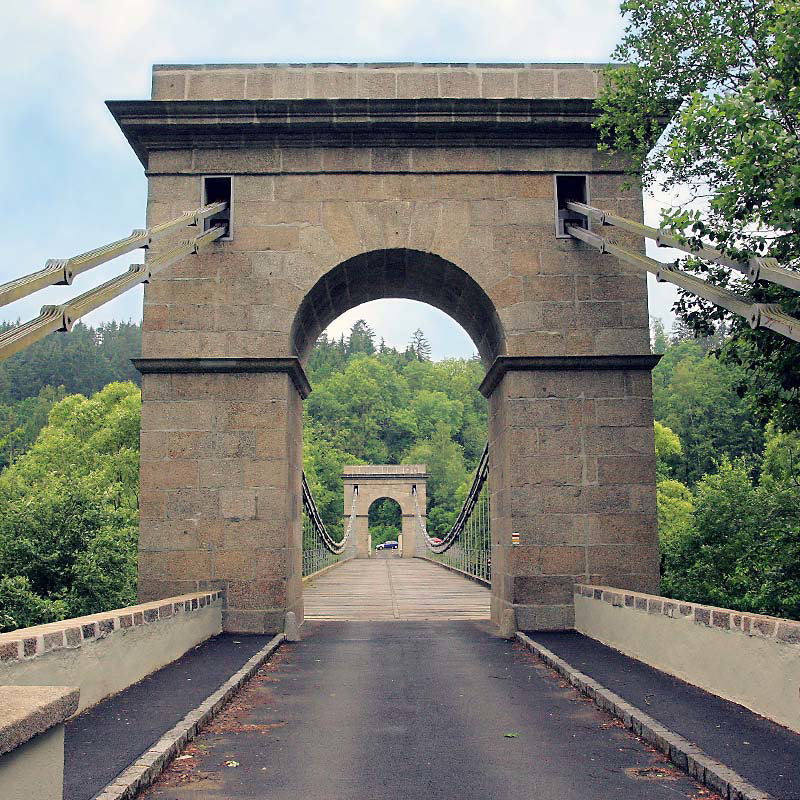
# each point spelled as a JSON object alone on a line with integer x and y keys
{"x": 729, "y": 485}
{"x": 374, "y": 405}
{"x": 728, "y": 492}
{"x": 82, "y": 362}
{"x": 69, "y": 511}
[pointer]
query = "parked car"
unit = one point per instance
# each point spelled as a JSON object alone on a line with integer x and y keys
{"x": 390, "y": 545}
{"x": 435, "y": 540}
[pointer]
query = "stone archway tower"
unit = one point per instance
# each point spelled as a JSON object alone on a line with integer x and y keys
{"x": 395, "y": 481}
{"x": 444, "y": 183}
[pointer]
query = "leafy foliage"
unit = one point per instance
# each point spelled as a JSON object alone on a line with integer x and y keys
{"x": 69, "y": 510}
{"x": 695, "y": 396}
{"x": 21, "y": 422}
{"x": 675, "y": 509}
{"x": 668, "y": 450}
{"x": 381, "y": 406}
{"x": 742, "y": 547}
{"x": 32, "y": 381}
{"x": 728, "y": 533}
{"x": 727, "y": 77}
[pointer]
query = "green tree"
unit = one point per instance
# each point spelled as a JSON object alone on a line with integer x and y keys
{"x": 742, "y": 549}
{"x": 21, "y": 422}
{"x": 781, "y": 466}
{"x": 431, "y": 409}
{"x": 675, "y": 508}
{"x": 668, "y": 450}
{"x": 69, "y": 510}
{"x": 695, "y": 395}
{"x": 658, "y": 335}
{"x": 420, "y": 346}
{"x": 444, "y": 460}
{"x": 361, "y": 339}
{"x": 21, "y": 607}
{"x": 726, "y": 76}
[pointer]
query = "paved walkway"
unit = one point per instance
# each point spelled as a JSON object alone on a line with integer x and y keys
{"x": 106, "y": 739}
{"x": 412, "y": 710}
{"x": 764, "y": 753}
{"x": 392, "y": 588}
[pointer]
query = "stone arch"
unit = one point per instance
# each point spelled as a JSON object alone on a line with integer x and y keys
{"x": 399, "y": 273}
{"x": 338, "y": 199}
{"x": 366, "y": 484}
{"x": 397, "y": 512}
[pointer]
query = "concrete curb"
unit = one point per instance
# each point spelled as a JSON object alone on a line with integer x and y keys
{"x": 150, "y": 764}
{"x": 685, "y": 755}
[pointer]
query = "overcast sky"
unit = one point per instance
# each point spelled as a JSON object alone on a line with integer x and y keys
{"x": 71, "y": 182}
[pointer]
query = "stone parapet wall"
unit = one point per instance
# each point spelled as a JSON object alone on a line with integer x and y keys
{"x": 28, "y": 711}
{"x": 750, "y": 659}
{"x": 104, "y": 653}
{"x": 27, "y": 643}
{"x": 32, "y": 740}
{"x": 402, "y": 81}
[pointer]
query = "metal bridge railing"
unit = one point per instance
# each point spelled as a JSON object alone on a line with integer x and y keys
{"x": 62, "y": 271}
{"x": 468, "y": 545}
{"x": 320, "y": 550}
{"x": 759, "y": 315}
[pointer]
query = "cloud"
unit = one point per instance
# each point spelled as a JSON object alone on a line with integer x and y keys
{"x": 75, "y": 181}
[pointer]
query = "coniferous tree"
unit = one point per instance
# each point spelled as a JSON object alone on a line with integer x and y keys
{"x": 420, "y": 346}
{"x": 361, "y": 339}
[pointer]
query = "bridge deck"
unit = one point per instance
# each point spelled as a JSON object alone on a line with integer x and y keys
{"x": 412, "y": 710}
{"x": 390, "y": 588}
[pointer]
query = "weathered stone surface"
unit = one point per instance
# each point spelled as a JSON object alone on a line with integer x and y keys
{"x": 26, "y": 711}
{"x": 266, "y": 81}
{"x": 321, "y": 225}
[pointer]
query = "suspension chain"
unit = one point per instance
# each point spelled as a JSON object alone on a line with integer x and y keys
{"x": 352, "y": 519}
{"x": 310, "y": 508}
{"x": 464, "y": 515}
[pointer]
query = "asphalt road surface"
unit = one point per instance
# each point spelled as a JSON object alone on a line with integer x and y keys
{"x": 106, "y": 739}
{"x": 407, "y": 710}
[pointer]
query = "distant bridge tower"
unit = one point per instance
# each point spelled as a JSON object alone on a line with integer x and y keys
{"x": 376, "y": 481}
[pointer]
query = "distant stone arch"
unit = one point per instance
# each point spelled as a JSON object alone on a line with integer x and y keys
{"x": 365, "y": 484}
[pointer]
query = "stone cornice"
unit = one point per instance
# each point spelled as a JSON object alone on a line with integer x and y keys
{"x": 291, "y": 366}
{"x": 383, "y": 477}
{"x": 441, "y": 122}
{"x": 503, "y": 364}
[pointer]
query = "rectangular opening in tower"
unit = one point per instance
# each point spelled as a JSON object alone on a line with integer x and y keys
{"x": 569, "y": 188}
{"x": 216, "y": 188}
